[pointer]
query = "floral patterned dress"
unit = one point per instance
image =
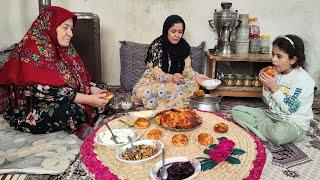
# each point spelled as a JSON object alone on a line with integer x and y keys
{"x": 154, "y": 90}
{"x": 44, "y": 78}
{"x": 45, "y": 109}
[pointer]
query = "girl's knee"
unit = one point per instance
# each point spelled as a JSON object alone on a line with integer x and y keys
{"x": 280, "y": 136}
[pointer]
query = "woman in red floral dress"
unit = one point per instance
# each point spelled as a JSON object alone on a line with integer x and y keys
{"x": 48, "y": 82}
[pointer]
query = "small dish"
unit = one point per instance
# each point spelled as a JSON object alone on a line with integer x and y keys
{"x": 213, "y": 50}
{"x": 104, "y": 137}
{"x": 211, "y": 83}
{"x": 169, "y": 161}
{"x": 126, "y": 105}
{"x": 159, "y": 146}
{"x": 143, "y": 114}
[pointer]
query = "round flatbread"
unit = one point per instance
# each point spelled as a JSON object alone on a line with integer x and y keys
{"x": 141, "y": 123}
{"x": 155, "y": 134}
{"x": 205, "y": 139}
{"x": 221, "y": 128}
{"x": 180, "y": 140}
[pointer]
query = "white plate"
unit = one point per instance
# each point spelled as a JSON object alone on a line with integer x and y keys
{"x": 195, "y": 163}
{"x": 155, "y": 143}
{"x": 143, "y": 114}
{"x": 211, "y": 83}
{"x": 104, "y": 137}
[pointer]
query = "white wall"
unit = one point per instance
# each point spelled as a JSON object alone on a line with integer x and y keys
{"x": 141, "y": 21}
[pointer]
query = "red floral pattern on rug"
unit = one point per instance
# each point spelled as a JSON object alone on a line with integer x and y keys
{"x": 102, "y": 172}
{"x": 93, "y": 164}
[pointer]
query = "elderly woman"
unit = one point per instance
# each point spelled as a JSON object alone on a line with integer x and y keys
{"x": 169, "y": 79}
{"x": 48, "y": 81}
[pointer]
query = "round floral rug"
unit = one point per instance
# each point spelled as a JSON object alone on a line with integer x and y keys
{"x": 98, "y": 163}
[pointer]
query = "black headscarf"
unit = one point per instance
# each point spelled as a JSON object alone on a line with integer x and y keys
{"x": 176, "y": 52}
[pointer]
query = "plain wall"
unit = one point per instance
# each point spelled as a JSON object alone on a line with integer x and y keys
{"x": 141, "y": 21}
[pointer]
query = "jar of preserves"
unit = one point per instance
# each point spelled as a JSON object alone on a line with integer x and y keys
{"x": 254, "y": 45}
{"x": 239, "y": 80}
{"x": 265, "y": 44}
{"x": 230, "y": 81}
{"x": 248, "y": 81}
{"x": 256, "y": 81}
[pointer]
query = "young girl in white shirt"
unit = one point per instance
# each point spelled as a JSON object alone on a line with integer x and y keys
{"x": 289, "y": 95}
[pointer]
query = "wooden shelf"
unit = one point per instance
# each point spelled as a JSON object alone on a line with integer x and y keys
{"x": 234, "y": 90}
{"x": 238, "y": 91}
{"x": 242, "y": 57}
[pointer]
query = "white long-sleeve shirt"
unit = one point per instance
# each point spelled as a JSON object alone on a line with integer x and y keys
{"x": 293, "y": 101}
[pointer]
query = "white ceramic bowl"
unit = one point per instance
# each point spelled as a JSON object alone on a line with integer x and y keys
{"x": 159, "y": 145}
{"x": 126, "y": 105}
{"x": 158, "y": 165}
{"x": 211, "y": 83}
{"x": 104, "y": 137}
{"x": 143, "y": 114}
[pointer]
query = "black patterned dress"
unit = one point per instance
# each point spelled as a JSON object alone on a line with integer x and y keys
{"x": 45, "y": 109}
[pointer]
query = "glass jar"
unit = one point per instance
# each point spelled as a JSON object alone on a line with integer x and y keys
{"x": 265, "y": 44}
{"x": 241, "y": 47}
{"x": 242, "y": 32}
{"x": 254, "y": 45}
{"x": 239, "y": 80}
{"x": 248, "y": 81}
{"x": 256, "y": 81}
{"x": 230, "y": 81}
{"x": 254, "y": 34}
{"x": 254, "y": 27}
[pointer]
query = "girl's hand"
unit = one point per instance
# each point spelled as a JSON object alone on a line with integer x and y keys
{"x": 269, "y": 82}
{"x": 200, "y": 78}
{"x": 96, "y": 90}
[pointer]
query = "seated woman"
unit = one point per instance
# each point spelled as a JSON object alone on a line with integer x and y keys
{"x": 169, "y": 79}
{"x": 48, "y": 81}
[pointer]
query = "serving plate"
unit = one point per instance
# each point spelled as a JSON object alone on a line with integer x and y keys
{"x": 104, "y": 137}
{"x": 176, "y": 129}
{"x": 159, "y": 146}
{"x": 168, "y": 163}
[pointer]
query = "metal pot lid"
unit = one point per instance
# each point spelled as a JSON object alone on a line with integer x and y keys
{"x": 208, "y": 98}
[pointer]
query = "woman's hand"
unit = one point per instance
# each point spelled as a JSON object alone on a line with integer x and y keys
{"x": 269, "y": 82}
{"x": 177, "y": 78}
{"x": 201, "y": 77}
{"x": 95, "y": 100}
{"x": 96, "y": 90}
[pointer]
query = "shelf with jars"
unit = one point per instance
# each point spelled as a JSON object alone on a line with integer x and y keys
{"x": 240, "y": 75}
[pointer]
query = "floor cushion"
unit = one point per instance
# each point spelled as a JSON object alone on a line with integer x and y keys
{"x": 36, "y": 154}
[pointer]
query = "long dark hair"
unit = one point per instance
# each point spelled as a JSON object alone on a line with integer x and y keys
{"x": 293, "y": 45}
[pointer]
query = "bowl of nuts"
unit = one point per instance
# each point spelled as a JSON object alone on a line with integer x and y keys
{"x": 145, "y": 150}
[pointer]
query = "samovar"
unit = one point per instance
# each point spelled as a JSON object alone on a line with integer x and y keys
{"x": 224, "y": 22}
